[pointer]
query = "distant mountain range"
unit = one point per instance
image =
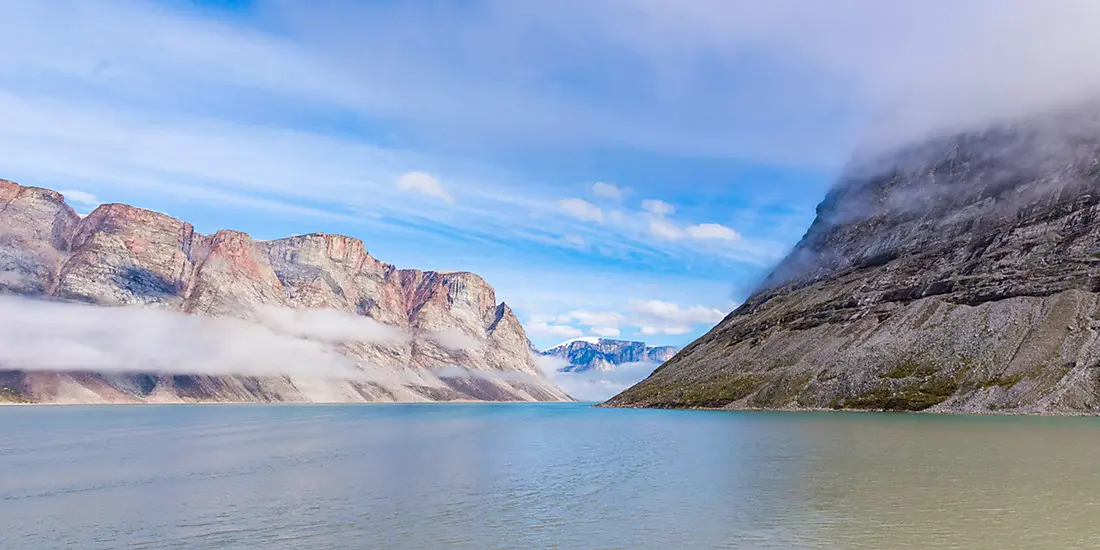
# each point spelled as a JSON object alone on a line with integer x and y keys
{"x": 602, "y": 354}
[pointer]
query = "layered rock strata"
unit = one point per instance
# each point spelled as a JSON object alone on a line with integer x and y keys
{"x": 119, "y": 255}
{"x": 961, "y": 275}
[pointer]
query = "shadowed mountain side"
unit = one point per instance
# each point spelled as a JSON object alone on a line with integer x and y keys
{"x": 960, "y": 275}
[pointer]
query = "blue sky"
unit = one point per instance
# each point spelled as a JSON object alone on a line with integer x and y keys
{"x": 614, "y": 168}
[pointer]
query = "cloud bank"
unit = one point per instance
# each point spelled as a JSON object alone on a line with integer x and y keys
{"x": 328, "y": 325}
{"x": 784, "y": 80}
{"x": 54, "y": 336}
{"x": 454, "y": 339}
{"x": 594, "y": 385}
{"x": 41, "y": 335}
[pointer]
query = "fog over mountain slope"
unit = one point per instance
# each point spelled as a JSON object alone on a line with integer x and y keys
{"x": 961, "y": 274}
{"x": 226, "y": 318}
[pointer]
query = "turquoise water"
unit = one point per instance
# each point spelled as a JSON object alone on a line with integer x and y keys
{"x": 540, "y": 476}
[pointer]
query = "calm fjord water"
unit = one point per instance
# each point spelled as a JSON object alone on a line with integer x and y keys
{"x": 540, "y": 476}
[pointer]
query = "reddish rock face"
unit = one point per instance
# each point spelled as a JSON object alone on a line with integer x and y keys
{"x": 121, "y": 255}
{"x": 36, "y": 230}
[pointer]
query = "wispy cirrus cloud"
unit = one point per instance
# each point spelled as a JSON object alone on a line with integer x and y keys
{"x": 146, "y": 54}
{"x": 781, "y": 82}
{"x": 276, "y": 111}
{"x": 714, "y": 231}
{"x": 200, "y": 159}
{"x": 637, "y": 318}
{"x": 538, "y": 328}
{"x": 137, "y": 97}
{"x": 581, "y": 210}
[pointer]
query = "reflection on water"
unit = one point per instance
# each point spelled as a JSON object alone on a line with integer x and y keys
{"x": 540, "y": 476}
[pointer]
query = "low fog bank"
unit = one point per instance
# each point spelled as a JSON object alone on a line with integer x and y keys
{"x": 595, "y": 385}
{"x": 42, "y": 335}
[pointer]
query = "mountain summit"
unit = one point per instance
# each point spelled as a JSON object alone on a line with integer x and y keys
{"x": 959, "y": 275}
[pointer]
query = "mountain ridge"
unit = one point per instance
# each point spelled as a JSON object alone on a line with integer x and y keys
{"x": 120, "y": 255}
{"x": 592, "y": 353}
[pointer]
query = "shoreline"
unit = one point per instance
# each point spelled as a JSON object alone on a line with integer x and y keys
{"x": 929, "y": 412}
{"x": 590, "y": 404}
{"x": 191, "y": 403}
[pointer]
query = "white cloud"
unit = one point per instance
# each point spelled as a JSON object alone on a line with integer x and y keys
{"x": 423, "y": 183}
{"x": 80, "y": 198}
{"x": 590, "y": 318}
{"x": 671, "y": 331}
{"x": 665, "y": 229}
{"x": 606, "y": 332}
{"x": 581, "y": 210}
{"x": 658, "y": 222}
{"x": 455, "y": 339}
{"x": 607, "y": 190}
{"x": 545, "y": 329}
{"x": 550, "y": 365}
{"x": 713, "y": 231}
{"x": 646, "y": 317}
{"x": 675, "y": 314}
{"x": 658, "y": 207}
{"x": 566, "y": 325}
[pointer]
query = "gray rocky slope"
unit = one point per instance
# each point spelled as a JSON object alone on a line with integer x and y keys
{"x": 961, "y": 275}
{"x": 603, "y": 354}
{"x": 119, "y": 255}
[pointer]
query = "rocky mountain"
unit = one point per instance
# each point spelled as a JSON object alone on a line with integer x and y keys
{"x": 602, "y": 354}
{"x": 461, "y": 344}
{"x": 958, "y": 275}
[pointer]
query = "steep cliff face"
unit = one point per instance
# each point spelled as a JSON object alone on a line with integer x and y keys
{"x": 588, "y": 354}
{"x": 960, "y": 275}
{"x": 460, "y": 343}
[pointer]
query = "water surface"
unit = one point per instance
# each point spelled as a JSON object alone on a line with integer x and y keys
{"x": 540, "y": 476}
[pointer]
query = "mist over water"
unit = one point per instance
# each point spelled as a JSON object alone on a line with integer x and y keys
{"x": 540, "y": 476}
